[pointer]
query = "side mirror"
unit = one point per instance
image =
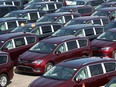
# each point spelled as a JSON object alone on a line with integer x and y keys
{"x": 58, "y": 52}
{"x": 5, "y": 49}
{"x": 78, "y": 81}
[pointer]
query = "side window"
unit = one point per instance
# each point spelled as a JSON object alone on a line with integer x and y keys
{"x": 72, "y": 45}
{"x": 82, "y": 43}
{"x": 97, "y": 22}
{"x": 33, "y": 16}
{"x": 68, "y": 18}
{"x": 41, "y": 14}
{"x": 3, "y": 59}
{"x": 36, "y": 31}
{"x": 56, "y": 27}
{"x": 60, "y": 20}
{"x": 4, "y": 11}
{"x": 59, "y": 5}
{"x": 26, "y": 16}
{"x": 99, "y": 30}
{"x": 13, "y": 9}
{"x": 76, "y": 16}
{"x": 110, "y": 67}
{"x": 80, "y": 33}
{"x": 81, "y": 10}
{"x": 46, "y": 29}
{"x": 96, "y": 69}
{"x": 82, "y": 74}
{"x": 8, "y": 45}
{"x": 89, "y": 32}
{"x": 51, "y": 6}
{"x": 19, "y": 42}
{"x": 105, "y": 21}
{"x": 2, "y": 27}
{"x": 8, "y": 3}
{"x": 11, "y": 24}
{"x": 61, "y": 48}
{"x": 30, "y": 40}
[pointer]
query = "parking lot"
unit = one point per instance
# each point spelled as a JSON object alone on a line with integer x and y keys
{"x": 21, "y": 80}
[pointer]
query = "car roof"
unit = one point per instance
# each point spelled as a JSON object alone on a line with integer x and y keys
{"x": 108, "y": 9}
{"x": 48, "y": 2}
{"x": 8, "y": 36}
{"x": 80, "y": 26}
{"x": 62, "y": 13}
{"x": 11, "y": 18}
{"x": 7, "y": 6}
{"x": 58, "y": 40}
{"x": 108, "y": 3}
{"x": 90, "y": 17}
{"x": 84, "y": 0}
{"x": 76, "y": 6}
{"x": 112, "y": 30}
{"x": 80, "y": 62}
{"x": 24, "y": 11}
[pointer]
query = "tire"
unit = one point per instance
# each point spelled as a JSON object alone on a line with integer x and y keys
{"x": 114, "y": 54}
{"x": 3, "y": 80}
{"x": 48, "y": 66}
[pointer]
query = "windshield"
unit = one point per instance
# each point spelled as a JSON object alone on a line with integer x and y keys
{"x": 112, "y": 83}
{"x": 60, "y": 73}
{"x": 32, "y": 6}
{"x": 22, "y": 29}
{"x": 64, "y": 32}
{"x": 43, "y": 47}
{"x": 108, "y": 36}
{"x": 73, "y": 22}
{"x": 100, "y": 6}
{"x": 110, "y": 25}
{"x": 100, "y": 13}
{"x": 46, "y": 18}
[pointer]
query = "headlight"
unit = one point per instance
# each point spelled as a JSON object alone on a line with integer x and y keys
{"x": 37, "y": 61}
{"x": 106, "y": 48}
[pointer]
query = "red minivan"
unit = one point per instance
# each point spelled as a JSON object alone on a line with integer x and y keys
{"x": 6, "y": 69}
{"x": 48, "y": 52}
{"x": 17, "y": 43}
{"x": 83, "y": 72}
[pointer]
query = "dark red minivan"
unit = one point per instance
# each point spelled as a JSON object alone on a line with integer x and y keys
{"x": 83, "y": 72}
{"x": 6, "y": 69}
{"x": 48, "y": 52}
{"x": 17, "y": 43}
{"x": 105, "y": 44}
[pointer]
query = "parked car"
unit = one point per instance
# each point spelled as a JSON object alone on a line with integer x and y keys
{"x": 81, "y": 30}
{"x": 108, "y": 11}
{"x": 4, "y": 9}
{"x": 83, "y": 72}
{"x": 83, "y": 10}
{"x": 101, "y": 20}
{"x": 7, "y": 24}
{"x": 107, "y": 4}
{"x": 6, "y": 69}
{"x": 110, "y": 25}
{"x": 30, "y": 14}
{"x": 47, "y": 6}
{"x": 17, "y": 43}
{"x": 42, "y": 30}
{"x": 111, "y": 83}
{"x": 87, "y": 2}
{"x": 12, "y": 2}
{"x": 105, "y": 44}
{"x": 48, "y": 52}
{"x": 61, "y": 17}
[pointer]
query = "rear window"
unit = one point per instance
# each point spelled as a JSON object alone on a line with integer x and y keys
{"x": 30, "y": 40}
{"x": 110, "y": 67}
{"x": 3, "y": 59}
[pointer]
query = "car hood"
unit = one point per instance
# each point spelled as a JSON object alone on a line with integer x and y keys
{"x": 46, "y": 82}
{"x": 32, "y": 56}
{"x": 101, "y": 43}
